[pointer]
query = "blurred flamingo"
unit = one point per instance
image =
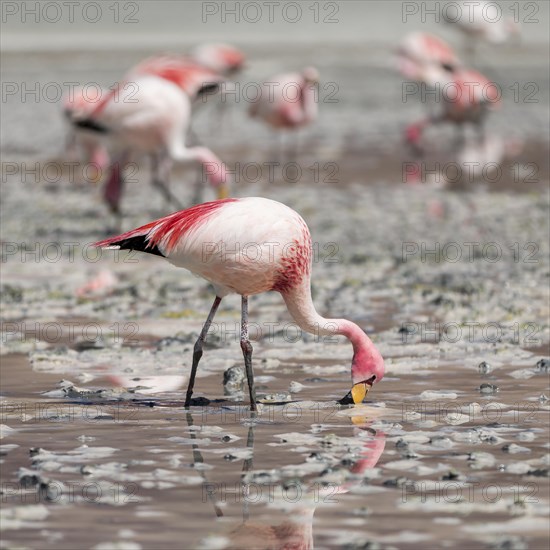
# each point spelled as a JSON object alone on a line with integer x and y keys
{"x": 210, "y": 241}
{"x": 100, "y": 284}
{"x": 288, "y": 101}
{"x": 481, "y": 21}
{"x": 150, "y": 118}
{"x": 466, "y": 97}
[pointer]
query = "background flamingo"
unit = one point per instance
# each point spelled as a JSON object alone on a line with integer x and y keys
{"x": 466, "y": 97}
{"x": 210, "y": 241}
{"x": 288, "y": 101}
{"x": 152, "y": 119}
{"x": 481, "y": 21}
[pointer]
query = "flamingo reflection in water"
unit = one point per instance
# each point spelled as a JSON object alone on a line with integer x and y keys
{"x": 298, "y": 500}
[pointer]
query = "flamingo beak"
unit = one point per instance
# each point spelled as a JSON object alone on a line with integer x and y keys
{"x": 359, "y": 392}
{"x": 223, "y": 191}
{"x": 94, "y": 174}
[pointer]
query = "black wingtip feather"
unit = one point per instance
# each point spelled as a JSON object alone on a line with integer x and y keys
{"x": 139, "y": 244}
{"x": 88, "y": 124}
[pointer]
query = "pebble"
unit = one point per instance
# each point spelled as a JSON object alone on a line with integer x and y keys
{"x": 488, "y": 389}
{"x": 295, "y": 387}
{"x": 396, "y": 482}
{"x": 512, "y": 448}
{"x": 441, "y": 442}
{"x": 234, "y": 379}
{"x": 280, "y": 397}
{"x": 542, "y": 366}
{"x": 484, "y": 368}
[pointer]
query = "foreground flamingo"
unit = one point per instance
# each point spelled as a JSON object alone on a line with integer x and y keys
{"x": 466, "y": 97}
{"x": 152, "y": 119}
{"x": 210, "y": 240}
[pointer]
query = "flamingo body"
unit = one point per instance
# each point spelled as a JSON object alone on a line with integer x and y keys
{"x": 182, "y": 71}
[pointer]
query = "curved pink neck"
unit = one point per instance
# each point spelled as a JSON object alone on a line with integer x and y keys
{"x": 300, "y": 306}
{"x": 214, "y": 169}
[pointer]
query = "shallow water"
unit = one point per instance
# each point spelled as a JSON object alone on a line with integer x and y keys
{"x": 445, "y": 453}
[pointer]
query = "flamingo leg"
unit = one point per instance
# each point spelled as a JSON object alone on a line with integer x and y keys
{"x": 246, "y": 346}
{"x": 199, "y": 186}
{"x": 114, "y": 188}
{"x": 197, "y": 350}
{"x": 161, "y": 169}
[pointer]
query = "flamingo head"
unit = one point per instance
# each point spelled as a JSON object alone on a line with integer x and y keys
{"x": 223, "y": 59}
{"x": 367, "y": 368}
{"x": 311, "y": 75}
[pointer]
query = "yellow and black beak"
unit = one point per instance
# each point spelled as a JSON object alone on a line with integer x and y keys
{"x": 223, "y": 191}
{"x": 359, "y": 391}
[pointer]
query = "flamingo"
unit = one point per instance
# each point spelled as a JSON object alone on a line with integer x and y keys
{"x": 466, "y": 97}
{"x": 151, "y": 118}
{"x": 288, "y": 101}
{"x": 481, "y": 20}
{"x": 211, "y": 240}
